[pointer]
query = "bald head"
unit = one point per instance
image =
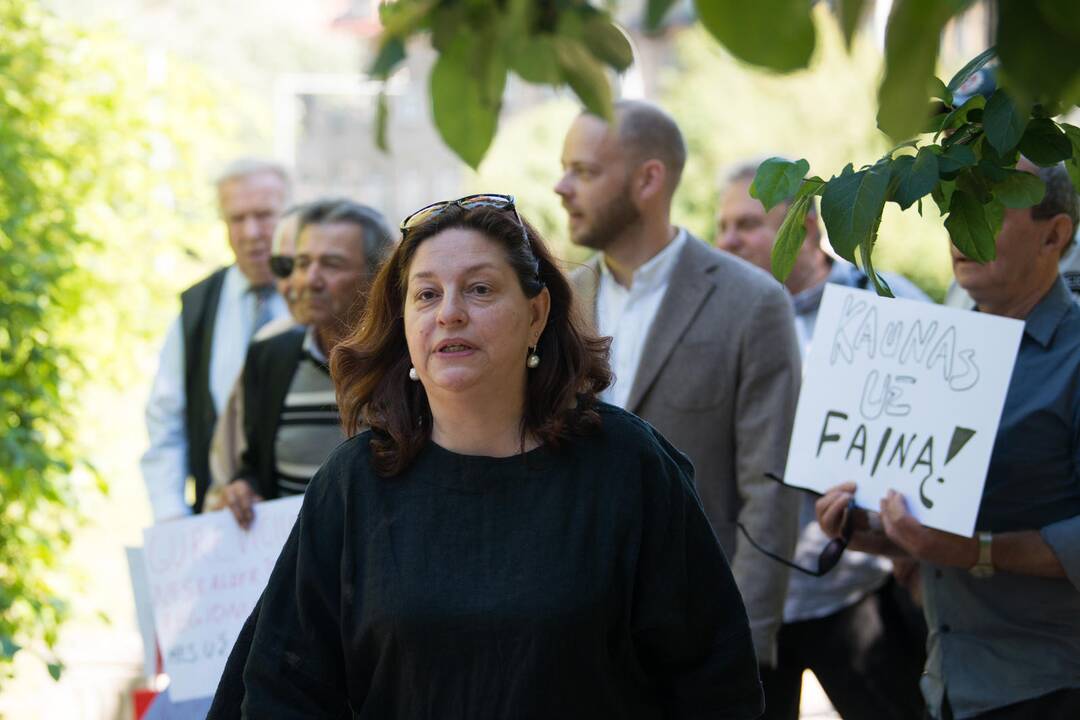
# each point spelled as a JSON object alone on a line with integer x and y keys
{"x": 645, "y": 132}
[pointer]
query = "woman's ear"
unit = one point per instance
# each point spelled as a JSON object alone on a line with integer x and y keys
{"x": 539, "y": 307}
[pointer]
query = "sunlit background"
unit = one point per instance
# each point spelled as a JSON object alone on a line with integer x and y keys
{"x": 178, "y": 87}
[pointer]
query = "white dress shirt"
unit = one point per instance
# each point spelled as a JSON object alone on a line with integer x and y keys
{"x": 626, "y": 314}
{"x": 164, "y": 464}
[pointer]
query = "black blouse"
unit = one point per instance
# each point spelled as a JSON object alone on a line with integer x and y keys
{"x": 584, "y": 582}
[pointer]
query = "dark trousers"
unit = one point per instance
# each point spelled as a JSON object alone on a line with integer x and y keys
{"x": 868, "y": 657}
{"x": 1060, "y": 705}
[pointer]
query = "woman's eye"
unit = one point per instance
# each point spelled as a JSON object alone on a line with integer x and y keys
{"x": 425, "y": 295}
{"x": 482, "y": 289}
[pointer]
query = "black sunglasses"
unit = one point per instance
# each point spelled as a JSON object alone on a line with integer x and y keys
{"x": 830, "y": 554}
{"x": 282, "y": 265}
{"x": 492, "y": 200}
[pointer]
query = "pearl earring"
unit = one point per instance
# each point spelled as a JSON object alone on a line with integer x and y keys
{"x": 413, "y": 375}
{"x": 533, "y": 361}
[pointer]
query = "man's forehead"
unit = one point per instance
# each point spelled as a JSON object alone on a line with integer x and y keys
{"x": 590, "y": 139}
{"x": 332, "y": 238}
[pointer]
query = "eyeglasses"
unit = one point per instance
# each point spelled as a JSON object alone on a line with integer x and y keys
{"x": 830, "y": 554}
{"x": 491, "y": 200}
{"x": 282, "y": 265}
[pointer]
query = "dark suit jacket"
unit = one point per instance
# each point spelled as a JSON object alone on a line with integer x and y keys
{"x": 268, "y": 371}
{"x": 719, "y": 377}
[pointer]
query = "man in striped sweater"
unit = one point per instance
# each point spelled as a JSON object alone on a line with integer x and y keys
{"x": 291, "y": 420}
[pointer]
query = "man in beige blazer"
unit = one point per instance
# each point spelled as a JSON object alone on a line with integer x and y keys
{"x": 703, "y": 343}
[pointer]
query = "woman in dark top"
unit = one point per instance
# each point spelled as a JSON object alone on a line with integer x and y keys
{"x": 499, "y": 544}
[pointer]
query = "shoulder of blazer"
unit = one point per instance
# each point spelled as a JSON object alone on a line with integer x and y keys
{"x": 726, "y": 270}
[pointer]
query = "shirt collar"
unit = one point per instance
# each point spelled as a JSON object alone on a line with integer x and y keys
{"x": 311, "y": 347}
{"x": 657, "y": 271}
{"x": 1043, "y": 320}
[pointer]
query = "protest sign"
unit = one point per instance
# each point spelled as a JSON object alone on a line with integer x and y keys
{"x": 206, "y": 574}
{"x": 902, "y": 395}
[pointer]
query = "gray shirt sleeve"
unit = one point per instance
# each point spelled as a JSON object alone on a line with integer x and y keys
{"x": 1063, "y": 537}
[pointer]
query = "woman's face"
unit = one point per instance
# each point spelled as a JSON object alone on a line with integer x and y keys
{"x": 468, "y": 323}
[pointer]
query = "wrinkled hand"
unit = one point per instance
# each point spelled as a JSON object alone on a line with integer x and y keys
{"x": 240, "y": 498}
{"x": 921, "y": 542}
{"x": 830, "y": 509}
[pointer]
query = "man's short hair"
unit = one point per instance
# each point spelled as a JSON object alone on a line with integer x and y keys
{"x": 1060, "y": 198}
{"x": 242, "y": 167}
{"x": 374, "y": 230}
{"x": 647, "y": 133}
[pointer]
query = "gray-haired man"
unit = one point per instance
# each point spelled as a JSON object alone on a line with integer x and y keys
{"x": 204, "y": 348}
{"x": 291, "y": 421}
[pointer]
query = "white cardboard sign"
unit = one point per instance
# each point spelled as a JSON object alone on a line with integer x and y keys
{"x": 902, "y": 395}
{"x": 206, "y": 573}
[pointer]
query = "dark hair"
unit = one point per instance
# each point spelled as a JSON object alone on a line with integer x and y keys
{"x": 371, "y": 368}
{"x": 374, "y": 231}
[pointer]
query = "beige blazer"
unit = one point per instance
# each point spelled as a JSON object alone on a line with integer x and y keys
{"x": 719, "y": 378}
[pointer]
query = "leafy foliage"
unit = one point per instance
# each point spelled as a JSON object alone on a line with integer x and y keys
{"x": 566, "y": 42}
{"x": 970, "y": 175}
{"x": 572, "y": 43}
{"x": 100, "y": 175}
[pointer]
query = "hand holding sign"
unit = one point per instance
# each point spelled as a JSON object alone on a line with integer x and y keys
{"x": 905, "y": 396}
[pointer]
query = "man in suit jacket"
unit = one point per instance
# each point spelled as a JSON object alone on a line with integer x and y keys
{"x": 703, "y": 343}
{"x": 291, "y": 420}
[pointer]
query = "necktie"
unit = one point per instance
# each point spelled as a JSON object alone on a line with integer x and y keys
{"x": 264, "y": 311}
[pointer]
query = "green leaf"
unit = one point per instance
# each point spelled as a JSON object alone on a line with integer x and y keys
{"x": 402, "y": 19}
{"x": 939, "y": 91}
{"x": 954, "y": 159}
{"x": 535, "y": 61}
{"x": 959, "y": 115}
{"x": 912, "y": 38}
{"x": 777, "y": 180}
{"x": 1027, "y": 39}
{"x": 850, "y": 11}
{"x": 655, "y": 12}
{"x": 55, "y": 669}
{"x": 585, "y": 75}
{"x": 942, "y": 195}
{"x": 458, "y": 92}
{"x": 382, "y": 114}
{"x": 1019, "y": 189}
{"x": 915, "y": 176}
{"x": 1003, "y": 123}
{"x": 973, "y": 226}
{"x": 1044, "y": 143}
{"x": 866, "y": 252}
{"x": 391, "y": 53}
{"x": 972, "y": 67}
{"x": 851, "y": 207}
{"x": 608, "y": 43}
{"x": 789, "y": 238}
{"x": 444, "y": 26}
{"x": 775, "y": 34}
{"x": 1073, "y": 164}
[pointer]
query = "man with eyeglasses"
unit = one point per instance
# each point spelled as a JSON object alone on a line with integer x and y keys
{"x": 228, "y": 445}
{"x": 205, "y": 346}
{"x": 291, "y": 420}
{"x": 854, "y": 627}
{"x": 703, "y": 343}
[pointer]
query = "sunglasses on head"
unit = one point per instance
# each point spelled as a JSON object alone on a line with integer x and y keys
{"x": 830, "y": 554}
{"x": 491, "y": 200}
{"x": 282, "y": 265}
